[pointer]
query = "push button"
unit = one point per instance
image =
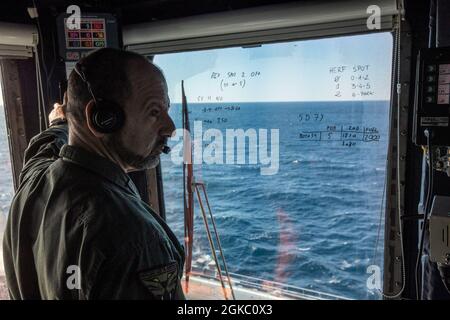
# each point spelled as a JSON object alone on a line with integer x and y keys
{"x": 430, "y": 99}
{"x": 431, "y": 68}
{"x": 431, "y": 89}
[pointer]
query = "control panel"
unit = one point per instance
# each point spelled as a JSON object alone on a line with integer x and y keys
{"x": 432, "y": 100}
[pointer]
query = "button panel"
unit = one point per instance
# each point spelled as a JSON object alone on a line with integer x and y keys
{"x": 92, "y": 34}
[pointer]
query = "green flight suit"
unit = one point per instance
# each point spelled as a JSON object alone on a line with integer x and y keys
{"x": 77, "y": 229}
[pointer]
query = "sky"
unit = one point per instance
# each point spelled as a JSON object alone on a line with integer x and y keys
{"x": 310, "y": 70}
{"x": 329, "y": 69}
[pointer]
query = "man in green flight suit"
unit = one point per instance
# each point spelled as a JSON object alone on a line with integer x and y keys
{"x": 77, "y": 228}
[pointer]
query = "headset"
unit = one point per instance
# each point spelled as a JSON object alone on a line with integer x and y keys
{"x": 106, "y": 116}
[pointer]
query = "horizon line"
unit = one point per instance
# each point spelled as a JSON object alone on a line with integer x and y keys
{"x": 383, "y": 100}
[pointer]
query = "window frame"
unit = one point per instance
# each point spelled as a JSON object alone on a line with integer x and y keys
{"x": 392, "y": 266}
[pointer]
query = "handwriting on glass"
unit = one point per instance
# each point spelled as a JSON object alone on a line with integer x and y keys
{"x": 354, "y": 80}
{"x": 348, "y": 135}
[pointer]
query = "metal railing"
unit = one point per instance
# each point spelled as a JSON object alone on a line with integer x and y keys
{"x": 273, "y": 288}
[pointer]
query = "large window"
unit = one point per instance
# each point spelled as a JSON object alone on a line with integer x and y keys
{"x": 291, "y": 141}
{"x": 6, "y": 190}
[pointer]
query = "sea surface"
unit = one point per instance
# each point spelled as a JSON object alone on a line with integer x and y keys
{"x": 315, "y": 222}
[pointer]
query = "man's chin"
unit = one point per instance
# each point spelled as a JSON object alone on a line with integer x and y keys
{"x": 153, "y": 163}
{"x": 148, "y": 163}
{"x": 135, "y": 162}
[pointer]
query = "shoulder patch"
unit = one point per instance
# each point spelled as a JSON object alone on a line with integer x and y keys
{"x": 161, "y": 281}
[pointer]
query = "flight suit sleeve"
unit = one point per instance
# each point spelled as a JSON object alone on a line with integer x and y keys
{"x": 140, "y": 273}
{"x": 43, "y": 148}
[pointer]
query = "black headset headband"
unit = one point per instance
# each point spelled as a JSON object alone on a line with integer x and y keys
{"x": 79, "y": 70}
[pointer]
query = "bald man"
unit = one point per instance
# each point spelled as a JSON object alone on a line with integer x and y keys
{"x": 77, "y": 228}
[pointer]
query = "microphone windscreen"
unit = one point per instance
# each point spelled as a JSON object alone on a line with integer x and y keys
{"x": 166, "y": 149}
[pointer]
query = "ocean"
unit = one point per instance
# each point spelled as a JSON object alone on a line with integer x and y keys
{"x": 315, "y": 222}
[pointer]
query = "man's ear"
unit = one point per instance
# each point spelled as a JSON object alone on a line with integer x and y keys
{"x": 88, "y": 112}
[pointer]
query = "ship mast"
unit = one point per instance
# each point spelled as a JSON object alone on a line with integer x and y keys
{"x": 188, "y": 194}
{"x": 189, "y": 184}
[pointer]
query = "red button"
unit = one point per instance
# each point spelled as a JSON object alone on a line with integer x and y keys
{"x": 97, "y": 26}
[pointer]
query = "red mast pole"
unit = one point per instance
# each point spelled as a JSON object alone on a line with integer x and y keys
{"x": 188, "y": 194}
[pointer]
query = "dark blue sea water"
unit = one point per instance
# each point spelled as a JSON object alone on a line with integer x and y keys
{"x": 314, "y": 224}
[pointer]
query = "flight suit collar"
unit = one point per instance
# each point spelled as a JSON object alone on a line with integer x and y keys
{"x": 99, "y": 165}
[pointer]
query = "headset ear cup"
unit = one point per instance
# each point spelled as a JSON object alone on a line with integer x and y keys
{"x": 107, "y": 117}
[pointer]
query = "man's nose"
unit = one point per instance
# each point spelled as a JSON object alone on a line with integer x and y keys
{"x": 168, "y": 128}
